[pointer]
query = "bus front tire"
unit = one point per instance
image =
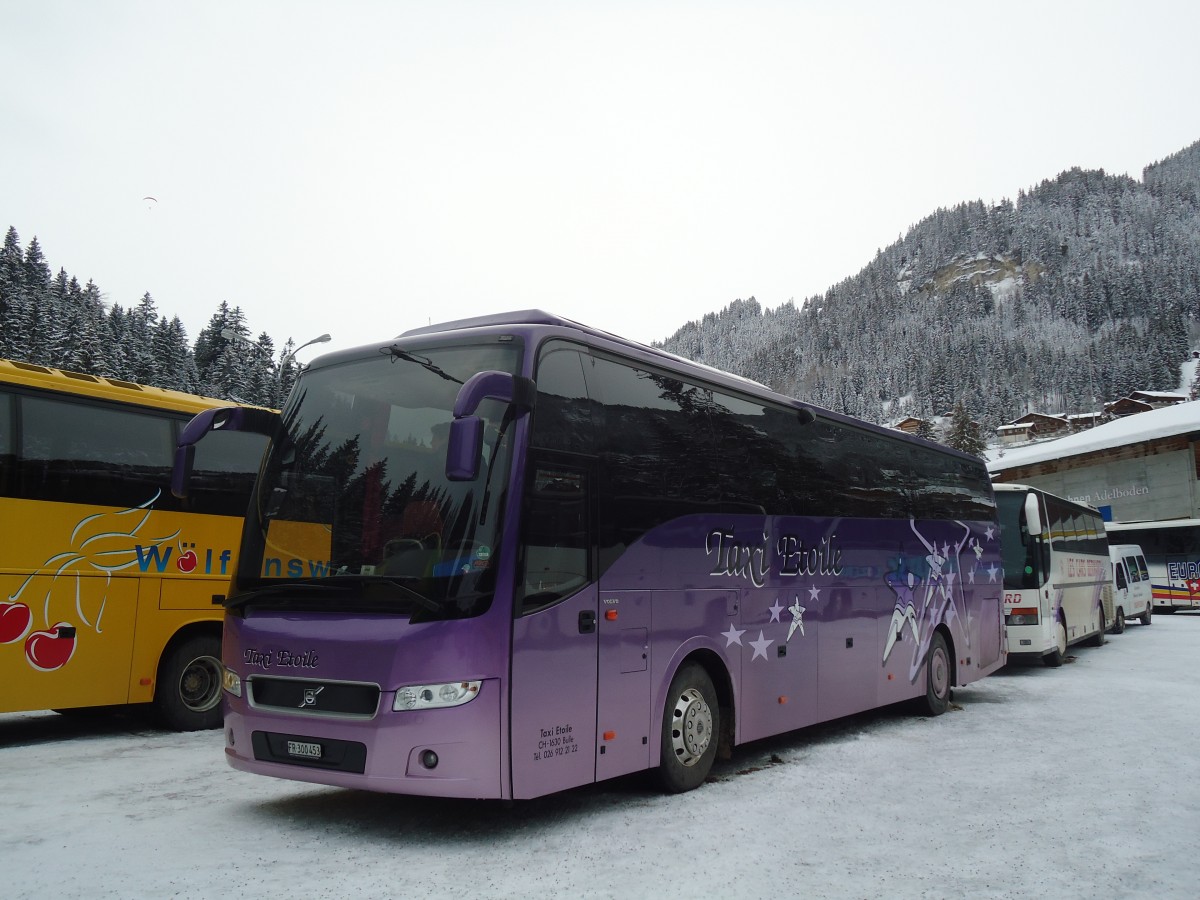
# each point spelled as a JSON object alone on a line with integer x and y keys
{"x": 690, "y": 728}
{"x": 1055, "y": 657}
{"x": 1145, "y": 616}
{"x": 937, "y": 677}
{"x": 188, "y": 695}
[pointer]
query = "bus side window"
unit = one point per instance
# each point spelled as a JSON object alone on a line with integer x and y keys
{"x": 556, "y": 543}
{"x": 8, "y": 459}
{"x": 83, "y": 453}
{"x": 557, "y": 536}
{"x": 223, "y": 474}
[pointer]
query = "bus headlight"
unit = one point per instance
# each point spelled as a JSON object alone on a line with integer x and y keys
{"x": 435, "y": 696}
{"x": 231, "y": 681}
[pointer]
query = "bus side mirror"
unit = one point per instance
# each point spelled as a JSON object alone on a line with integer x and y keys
{"x": 1033, "y": 518}
{"x": 464, "y": 447}
{"x": 224, "y": 418}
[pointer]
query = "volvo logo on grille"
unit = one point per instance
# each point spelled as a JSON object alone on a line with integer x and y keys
{"x": 310, "y": 697}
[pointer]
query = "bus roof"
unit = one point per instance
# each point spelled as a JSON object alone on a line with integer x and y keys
{"x": 116, "y": 389}
{"x": 541, "y": 317}
{"x": 1155, "y": 523}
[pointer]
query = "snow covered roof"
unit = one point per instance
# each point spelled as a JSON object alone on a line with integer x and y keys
{"x": 1157, "y": 423}
{"x": 1174, "y": 396}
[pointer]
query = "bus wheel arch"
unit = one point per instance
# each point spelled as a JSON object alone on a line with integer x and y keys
{"x": 187, "y": 691}
{"x": 697, "y": 722}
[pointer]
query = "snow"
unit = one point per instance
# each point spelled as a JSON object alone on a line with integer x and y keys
{"x": 1073, "y": 783}
{"x": 1169, "y": 421}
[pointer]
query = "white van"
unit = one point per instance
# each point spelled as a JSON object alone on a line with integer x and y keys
{"x": 1132, "y": 597}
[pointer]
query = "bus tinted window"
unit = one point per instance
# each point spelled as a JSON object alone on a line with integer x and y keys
{"x": 562, "y": 415}
{"x": 7, "y": 459}
{"x": 223, "y": 474}
{"x": 79, "y": 453}
{"x": 650, "y": 423}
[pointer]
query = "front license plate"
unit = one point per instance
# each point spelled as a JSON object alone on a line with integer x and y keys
{"x": 304, "y": 749}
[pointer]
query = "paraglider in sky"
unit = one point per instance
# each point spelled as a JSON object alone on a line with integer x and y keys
{"x": 150, "y": 202}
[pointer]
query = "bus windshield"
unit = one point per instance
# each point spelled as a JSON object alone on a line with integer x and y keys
{"x": 1018, "y": 550}
{"x": 354, "y": 497}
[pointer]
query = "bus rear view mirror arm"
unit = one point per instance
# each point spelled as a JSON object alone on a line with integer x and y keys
{"x": 465, "y": 442}
{"x": 225, "y": 418}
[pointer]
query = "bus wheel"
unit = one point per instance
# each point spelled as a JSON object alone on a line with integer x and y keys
{"x": 937, "y": 677}
{"x": 188, "y": 696}
{"x": 1145, "y": 616}
{"x": 1055, "y": 657}
{"x": 691, "y": 722}
{"x": 1119, "y": 625}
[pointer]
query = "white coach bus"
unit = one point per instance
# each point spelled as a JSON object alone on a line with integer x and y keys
{"x": 1056, "y": 572}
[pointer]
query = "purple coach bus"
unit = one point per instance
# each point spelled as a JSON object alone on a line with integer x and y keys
{"x": 506, "y": 556}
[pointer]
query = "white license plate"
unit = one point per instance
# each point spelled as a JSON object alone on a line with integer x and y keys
{"x": 304, "y": 749}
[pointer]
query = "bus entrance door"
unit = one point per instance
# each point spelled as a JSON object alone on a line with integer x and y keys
{"x": 553, "y": 697}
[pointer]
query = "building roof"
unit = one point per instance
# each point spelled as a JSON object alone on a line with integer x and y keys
{"x": 1182, "y": 418}
{"x": 1039, "y": 418}
{"x": 1173, "y": 396}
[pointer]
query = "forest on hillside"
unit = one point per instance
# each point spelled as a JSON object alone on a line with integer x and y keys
{"x": 1084, "y": 289}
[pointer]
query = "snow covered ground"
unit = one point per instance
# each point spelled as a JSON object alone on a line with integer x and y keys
{"x": 1079, "y": 782}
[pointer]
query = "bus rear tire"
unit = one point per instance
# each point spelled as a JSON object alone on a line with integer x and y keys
{"x": 1055, "y": 657}
{"x": 1119, "y": 624}
{"x": 690, "y": 729}
{"x": 188, "y": 695}
{"x": 938, "y": 677}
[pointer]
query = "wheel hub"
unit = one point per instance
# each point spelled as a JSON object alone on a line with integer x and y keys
{"x": 939, "y": 675}
{"x": 691, "y": 727}
{"x": 200, "y": 685}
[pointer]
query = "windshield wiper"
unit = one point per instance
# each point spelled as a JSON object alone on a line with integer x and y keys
{"x": 421, "y": 361}
{"x": 251, "y": 595}
{"x": 391, "y": 581}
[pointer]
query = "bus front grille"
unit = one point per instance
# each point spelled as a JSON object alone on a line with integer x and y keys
{"x": 314, "y": 697}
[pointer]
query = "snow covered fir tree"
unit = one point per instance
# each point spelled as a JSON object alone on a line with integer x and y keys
{"x": 1084, "y": 289}
{"x": 51, "y": 321}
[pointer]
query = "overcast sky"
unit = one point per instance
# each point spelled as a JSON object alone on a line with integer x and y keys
{"x": 361, "y": 168}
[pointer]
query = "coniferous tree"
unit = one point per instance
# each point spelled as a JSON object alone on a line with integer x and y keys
{"x": 963, "y": 432}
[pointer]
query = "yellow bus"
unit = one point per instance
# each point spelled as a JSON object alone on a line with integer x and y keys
{"x": 110, "y": 586}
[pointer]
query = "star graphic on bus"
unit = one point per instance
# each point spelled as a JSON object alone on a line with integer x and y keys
{"x": 775, "y": 610}
{"x": 760, "y": 646}
{"x": 733, "y": 636}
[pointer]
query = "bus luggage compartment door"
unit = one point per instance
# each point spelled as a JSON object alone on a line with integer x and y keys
{"x": 623, "y": 693}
